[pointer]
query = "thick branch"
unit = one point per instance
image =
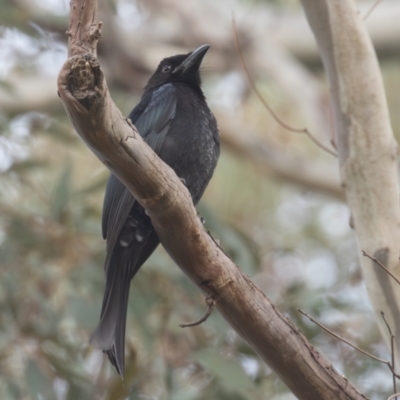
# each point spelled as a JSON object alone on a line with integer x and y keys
{"x": 168, "y": 203}
{"x": 366, "y": 146}
{"x": 83, "y": 33}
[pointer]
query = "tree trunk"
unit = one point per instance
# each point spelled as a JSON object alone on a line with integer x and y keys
{"x": 367, "y": 149}
{"x": 118, "y": 145}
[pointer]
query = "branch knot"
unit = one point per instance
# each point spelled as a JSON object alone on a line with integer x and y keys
{"x": 84, "y": 78}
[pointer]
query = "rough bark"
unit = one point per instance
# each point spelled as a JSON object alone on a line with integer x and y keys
{"x": 366, "y": 146}
{"x": 116, "y": 142}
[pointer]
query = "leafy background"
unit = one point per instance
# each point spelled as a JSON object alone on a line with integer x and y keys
{"x": 293, "y": 241}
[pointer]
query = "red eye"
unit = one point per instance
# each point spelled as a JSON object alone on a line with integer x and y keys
{"x": 166, "y": 68}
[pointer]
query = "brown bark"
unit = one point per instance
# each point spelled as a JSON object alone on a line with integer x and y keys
{"x": 117, "y": 144}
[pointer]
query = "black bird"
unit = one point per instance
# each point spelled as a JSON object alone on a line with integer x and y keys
{"x": 174, "y": 119}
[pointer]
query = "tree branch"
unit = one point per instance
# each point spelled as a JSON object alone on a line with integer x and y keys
{"x": 366, "y": 146}
{"x": 118, "y": 145}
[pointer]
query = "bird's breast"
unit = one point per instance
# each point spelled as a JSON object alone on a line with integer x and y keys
{"x": 190, "y": 147}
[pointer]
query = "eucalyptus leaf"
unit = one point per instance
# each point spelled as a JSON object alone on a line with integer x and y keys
{"x": 92, "y": 187}
{"x": 39, "y": 386}
{"x": 234, "y": 242}
{"x": 61, "y": 192}
{"x": 13, "y": 392}
{"x": 229, "y": 373}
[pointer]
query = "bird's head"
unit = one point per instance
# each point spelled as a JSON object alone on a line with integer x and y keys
{"x": 183, "y": 68}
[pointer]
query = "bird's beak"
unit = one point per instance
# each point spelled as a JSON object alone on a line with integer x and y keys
{"x": 194, "y": 59}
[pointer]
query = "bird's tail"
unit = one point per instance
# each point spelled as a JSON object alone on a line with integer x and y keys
{"x": 109, "y": 335}
{"x": 121, "y": 266}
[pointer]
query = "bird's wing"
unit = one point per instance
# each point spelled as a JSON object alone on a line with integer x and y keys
{"x": 152, "y": 118}
{"x": 154, "y": 121}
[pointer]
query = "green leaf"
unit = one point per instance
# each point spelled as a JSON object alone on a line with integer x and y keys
{"x": 38, "y": 385}
{"x": 242, "y": 250}
{"x": 85, "y": 313}
{"x": 7, "y": 86}
{"x": 68, "y": 365}
{"x": 184, "y": 394}
{"x": 77, "y": 393}
{"x": 61, "y": 192}
{"x": 28, "y": 165}
{"x": 228, "y": 372}
{"x": 13, "y": 392}
{"x": 93, "y": 187}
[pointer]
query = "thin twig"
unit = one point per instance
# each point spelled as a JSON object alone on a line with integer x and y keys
{"x": 211, "y": 304}
{"x": 267, "y": 106}
{"x": 393, "y": 363}
{"x": 391, "y": 348}
{"x": 381, "y": 265}
{"x": 386, "y": 323}
{"x": 369, "y": 12}
{"x": 391, "y": 367}
{"x": 341, "y": 339}
{"x": 394, "y": 396}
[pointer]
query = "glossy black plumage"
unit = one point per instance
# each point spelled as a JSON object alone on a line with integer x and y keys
{"x": 174, "y": 119}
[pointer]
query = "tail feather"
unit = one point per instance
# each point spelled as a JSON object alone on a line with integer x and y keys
{"x": 117, "y": 352}
{"x": 109, "y": 335}
{"x": 121, "y": 266}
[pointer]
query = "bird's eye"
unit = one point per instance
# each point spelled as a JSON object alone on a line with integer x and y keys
{"x": 166, "y": 68}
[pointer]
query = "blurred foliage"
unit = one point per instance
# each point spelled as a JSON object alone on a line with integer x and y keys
{"x": 295, "y": 245}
